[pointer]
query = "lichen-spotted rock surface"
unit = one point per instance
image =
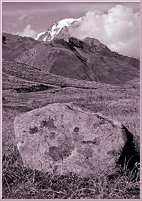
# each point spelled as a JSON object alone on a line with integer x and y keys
{"x": 62, "y": 138}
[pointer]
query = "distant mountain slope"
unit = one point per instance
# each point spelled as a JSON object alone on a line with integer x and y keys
{"x": 14, "y": 45}
{"x": 84, "y": 60}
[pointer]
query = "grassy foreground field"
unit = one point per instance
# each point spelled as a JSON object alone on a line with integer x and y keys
{"x": 118, "y": 102}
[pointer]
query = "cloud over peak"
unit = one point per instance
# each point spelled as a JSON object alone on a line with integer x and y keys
{"x": 28, "y": 31}
{"x": 119, "y": 29}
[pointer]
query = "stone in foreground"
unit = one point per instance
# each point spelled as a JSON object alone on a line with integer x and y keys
{"x": 62, "y": 138}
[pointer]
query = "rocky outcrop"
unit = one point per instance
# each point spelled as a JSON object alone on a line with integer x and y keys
{"x": 14, "y": 45}
{"x": 63, "y": 138}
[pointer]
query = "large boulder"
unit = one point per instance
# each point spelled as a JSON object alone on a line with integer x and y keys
{"x": 62, "y": 138}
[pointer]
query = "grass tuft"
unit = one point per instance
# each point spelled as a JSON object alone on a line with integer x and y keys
{"x": 23, "y": 183}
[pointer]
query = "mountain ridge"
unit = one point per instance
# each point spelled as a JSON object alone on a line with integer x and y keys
{"x": 86, "y": 59}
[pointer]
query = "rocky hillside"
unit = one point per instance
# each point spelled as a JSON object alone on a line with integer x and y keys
{"x": 14, "y": 45}
{"x": 88, "y": 59}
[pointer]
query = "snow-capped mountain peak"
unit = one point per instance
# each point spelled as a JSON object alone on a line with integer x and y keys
{"x": 40, "y": 35}
{"x": 54, "y": 30}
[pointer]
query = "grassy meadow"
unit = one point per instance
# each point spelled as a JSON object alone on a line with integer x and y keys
{"x": 120, "y": 102}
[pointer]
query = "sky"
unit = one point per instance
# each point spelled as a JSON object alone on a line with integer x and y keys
{"x": 115, "y": 24}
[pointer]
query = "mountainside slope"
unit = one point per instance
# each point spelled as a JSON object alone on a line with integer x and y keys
{"x": 14, "y": 45}
{"x": 88, "y": 59}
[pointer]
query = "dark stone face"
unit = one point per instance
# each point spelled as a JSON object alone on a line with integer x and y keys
{"x": 129, "y": 156}
{"x": 49, "y": 123}
{"x": 33, "y": 130}
{"x": 76, "y": 42}
{"x": 55, "y": 153}
{"x": 59, "y": 153}
{"x": 3, "y": 39}
{"x": 76, "y": 129}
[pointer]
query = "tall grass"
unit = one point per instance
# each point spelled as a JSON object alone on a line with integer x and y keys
{"x": 20, "y": 182}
